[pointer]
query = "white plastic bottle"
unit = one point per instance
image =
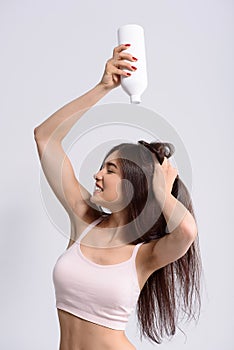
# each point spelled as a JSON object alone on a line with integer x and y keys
{"x": 136, "y": 84}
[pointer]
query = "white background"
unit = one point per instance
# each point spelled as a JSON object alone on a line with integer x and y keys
{"x": 54, "y": 51}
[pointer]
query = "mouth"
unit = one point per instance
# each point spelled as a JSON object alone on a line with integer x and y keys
{"x": 98, "y": 188}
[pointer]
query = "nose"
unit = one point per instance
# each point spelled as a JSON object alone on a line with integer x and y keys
{"x": 97, "y": 176}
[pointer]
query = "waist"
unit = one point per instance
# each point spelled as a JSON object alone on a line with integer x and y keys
{"x": 79, "y": 334}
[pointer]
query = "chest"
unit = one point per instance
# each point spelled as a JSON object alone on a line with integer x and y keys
{"x": 77, "y": 276}
{"x": 109, "y": 264}
{"x": 106, "y": 256}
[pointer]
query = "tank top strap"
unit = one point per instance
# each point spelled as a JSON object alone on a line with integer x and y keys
{"x": 89, "y": 227}
{"x": 135, "y": 250}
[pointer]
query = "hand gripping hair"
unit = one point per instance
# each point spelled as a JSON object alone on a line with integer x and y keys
{"x": 160, "y": 149}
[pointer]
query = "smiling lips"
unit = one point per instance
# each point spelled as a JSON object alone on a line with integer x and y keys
{"x": 98, "y": 188}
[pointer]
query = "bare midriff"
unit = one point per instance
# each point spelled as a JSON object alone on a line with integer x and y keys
{"x": 79, "y": 334}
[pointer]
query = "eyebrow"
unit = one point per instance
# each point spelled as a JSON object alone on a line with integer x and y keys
{"x": 111, "y": 164}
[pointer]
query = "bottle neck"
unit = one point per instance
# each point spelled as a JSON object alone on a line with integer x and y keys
{"x": 136, "y": 99}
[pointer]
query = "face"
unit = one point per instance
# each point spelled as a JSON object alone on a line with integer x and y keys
{"x": 109, "y": 194}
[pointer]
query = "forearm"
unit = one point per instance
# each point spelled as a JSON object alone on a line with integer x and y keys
{"x": 178, "y": 218}
{"x": 60, "y": 123}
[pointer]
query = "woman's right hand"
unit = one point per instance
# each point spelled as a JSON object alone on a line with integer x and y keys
{"x": 115, "y": 65}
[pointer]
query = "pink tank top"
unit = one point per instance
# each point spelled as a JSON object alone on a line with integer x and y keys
{"x": 103, "y": 294}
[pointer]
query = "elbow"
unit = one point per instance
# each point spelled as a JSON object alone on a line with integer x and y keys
{"x": 189, "y": 232}
{"x": 39, "y": 134}
{"x": 35, "y": 133}
{"x": 185, "y": 238}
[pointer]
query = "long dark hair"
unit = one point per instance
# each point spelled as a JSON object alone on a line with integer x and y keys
{"x": 174, "y": 290}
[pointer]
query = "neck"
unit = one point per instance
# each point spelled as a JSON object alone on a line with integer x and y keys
{"x": 116, "y": 220}
{"x": 116, "y": 232}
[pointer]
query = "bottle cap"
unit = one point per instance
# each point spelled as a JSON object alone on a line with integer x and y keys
{"x": 135, "y": 99}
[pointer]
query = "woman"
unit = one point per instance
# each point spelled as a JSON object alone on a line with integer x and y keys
{"x": 144, "y": 252}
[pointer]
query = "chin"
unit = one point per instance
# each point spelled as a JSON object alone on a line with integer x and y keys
{"x": 93, "y": 199}
{"x": 112, "y": 206}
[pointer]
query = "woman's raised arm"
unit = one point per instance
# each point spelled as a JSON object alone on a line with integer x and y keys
{"x": 49, "y": 135}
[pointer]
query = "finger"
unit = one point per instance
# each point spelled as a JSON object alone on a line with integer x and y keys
{"x": 165, "y": 162}
{"x": 173, "y": 171}
{"x": 120, "y": 65}
{"x": 124, "y": 65}
{"x": 120, "y": 48}
{"x": 112, "y": 69}
{"x": 127, "y": 56}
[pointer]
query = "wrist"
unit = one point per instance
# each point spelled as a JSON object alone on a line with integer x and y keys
{"x": 162, "y": 197}
{"x": 103, "y": 87}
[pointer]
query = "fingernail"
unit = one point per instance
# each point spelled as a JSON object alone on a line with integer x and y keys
{"x": 134, "y": 58}
{"x": 127, "y": 45}
{"x": 134, "y": 67}
{"x": 129, "y": 74}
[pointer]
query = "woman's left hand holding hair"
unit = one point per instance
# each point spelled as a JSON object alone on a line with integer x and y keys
{"x": 178, "y": 218}
{"x": 163, "y": 179}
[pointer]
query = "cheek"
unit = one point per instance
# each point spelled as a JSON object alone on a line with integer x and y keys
{"x": 125, "y": 190}
{"x": 118, "y": 187}
{"x": 113, "y": 190}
